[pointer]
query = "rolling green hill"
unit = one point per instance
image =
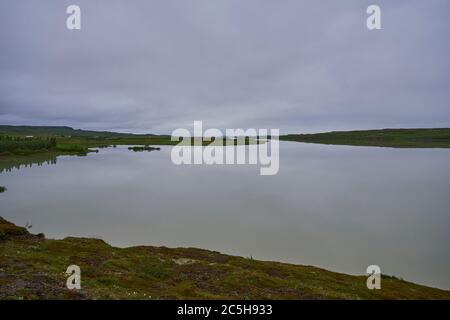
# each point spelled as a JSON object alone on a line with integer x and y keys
{"x": 61, "y": 131}
{"x": 20, "y": 141}
{"x": 395, "y": 138}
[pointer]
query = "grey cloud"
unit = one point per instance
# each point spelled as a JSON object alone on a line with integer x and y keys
{"x": 152, "y": 66}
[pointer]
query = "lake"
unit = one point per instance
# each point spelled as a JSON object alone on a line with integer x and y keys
{"x": 342, "y": 208}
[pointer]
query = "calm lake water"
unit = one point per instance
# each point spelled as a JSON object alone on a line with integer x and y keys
{"x": 337, "y": 207}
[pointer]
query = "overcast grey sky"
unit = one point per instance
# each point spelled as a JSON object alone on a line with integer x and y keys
{"x": 153, "y": 66}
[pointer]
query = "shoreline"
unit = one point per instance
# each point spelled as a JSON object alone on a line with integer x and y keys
{"x": 32, "y": 267}
{"x": 388, "y": 138}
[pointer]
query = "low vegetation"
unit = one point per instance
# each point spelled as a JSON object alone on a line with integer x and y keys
{"x": 2, "y": 189}
{"x": 30, "y": 140}
{"x": 19, "y": 141}
{"x": 32, "y": 267}
{"x": 25, "y": 145}
{"x": 395, "y": 138}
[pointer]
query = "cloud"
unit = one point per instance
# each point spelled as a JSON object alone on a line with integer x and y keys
{"x": 153, "y": 66}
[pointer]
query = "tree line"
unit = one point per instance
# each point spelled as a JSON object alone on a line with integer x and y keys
{"x": 24, "y": 145}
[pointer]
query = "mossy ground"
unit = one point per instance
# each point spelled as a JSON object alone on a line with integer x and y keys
{"x": 32, "y": 267}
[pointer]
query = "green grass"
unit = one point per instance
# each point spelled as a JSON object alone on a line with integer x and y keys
{"x": 2, "y": 189}
{"x": 395, "y": 138}
{"x": 72, "y": 141}
{"x": 71, "y": 148}
{"x": 68, "y": 140}
{"x": 33, "y": 267}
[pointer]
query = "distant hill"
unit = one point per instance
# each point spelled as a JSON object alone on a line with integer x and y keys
{"x": 60, "y": 131}
{"x": 395, "y": 138}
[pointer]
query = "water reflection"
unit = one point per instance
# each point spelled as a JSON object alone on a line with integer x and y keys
{"x": 337, "y": 207}
{"x": 26, "y": 162}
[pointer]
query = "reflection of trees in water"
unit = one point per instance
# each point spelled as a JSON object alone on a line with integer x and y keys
{"x": 26, "y": 162}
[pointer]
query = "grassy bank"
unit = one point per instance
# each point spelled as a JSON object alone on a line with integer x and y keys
{"x": 67, "y": 140}
{"x": 24, "y": 141}
{"x": 32, "y": 267}
{"x": 395, "y": 138}
{"x": 14, "y": 146}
